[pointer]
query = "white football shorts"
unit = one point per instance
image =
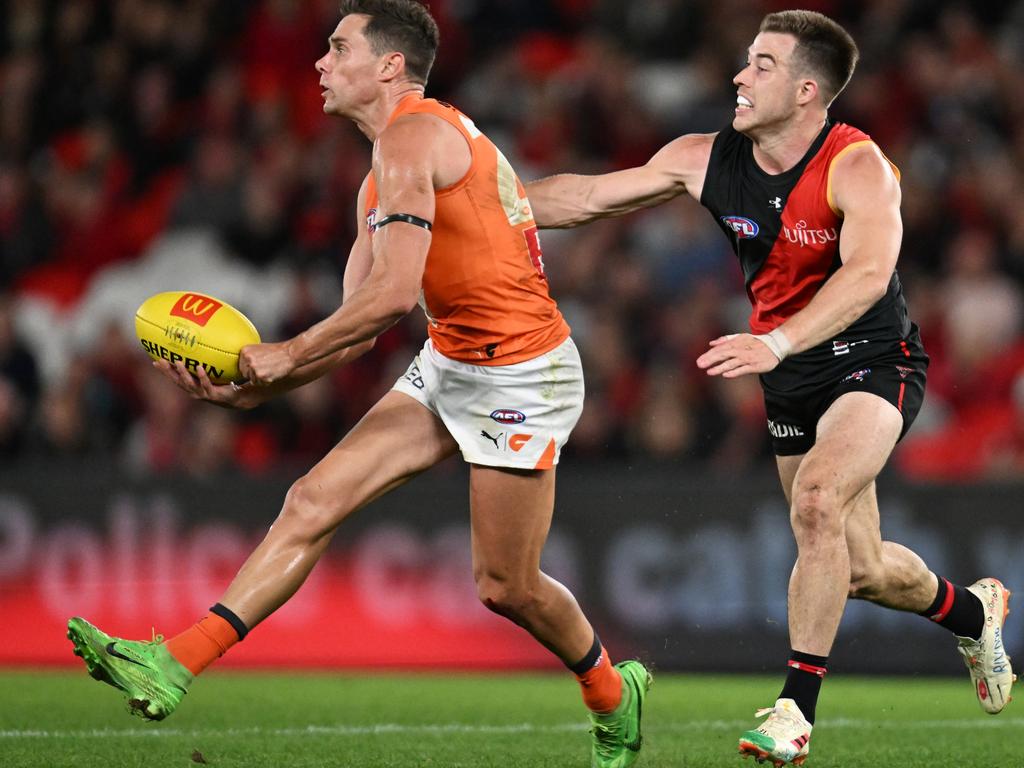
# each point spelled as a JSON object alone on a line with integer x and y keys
{"x": 517, "y": 415}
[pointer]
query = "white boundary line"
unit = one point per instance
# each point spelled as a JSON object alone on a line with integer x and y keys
{"x": 440, "y": 729}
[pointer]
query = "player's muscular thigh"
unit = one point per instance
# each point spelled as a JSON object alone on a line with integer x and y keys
{"x": 396, "y": 440}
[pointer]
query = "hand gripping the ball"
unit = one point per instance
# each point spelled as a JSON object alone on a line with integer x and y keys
{"x": 266, "y": 363}
{"x": 200, "y": 387}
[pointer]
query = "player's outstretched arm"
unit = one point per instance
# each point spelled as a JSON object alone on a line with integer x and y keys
{"x": 248, "y": 395}
{"x": 403, "y": 166}
{"x": 568, "y": 200}
{"x": 866, "y": 192}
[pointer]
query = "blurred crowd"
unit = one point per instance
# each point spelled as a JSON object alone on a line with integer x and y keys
{"x": 151, "y": 145}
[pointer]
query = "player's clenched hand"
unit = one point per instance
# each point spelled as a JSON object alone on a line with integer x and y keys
{"x": 199, "y": 386}
{"x": 737, "y": 355}
{"x": 266, "y": 363}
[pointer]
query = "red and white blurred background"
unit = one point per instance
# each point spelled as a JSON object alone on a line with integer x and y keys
{"x": 150, "y": 145}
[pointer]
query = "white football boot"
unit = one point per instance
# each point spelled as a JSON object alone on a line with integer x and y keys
{"x": 985, "y": 657}
{"x": 783, "y": 738}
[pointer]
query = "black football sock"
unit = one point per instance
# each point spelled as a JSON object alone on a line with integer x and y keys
{"x": 956, "y": 609}
{"x": 803, "y": 683}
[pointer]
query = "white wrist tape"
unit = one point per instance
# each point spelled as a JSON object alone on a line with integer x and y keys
{"x": 777, "y": 342}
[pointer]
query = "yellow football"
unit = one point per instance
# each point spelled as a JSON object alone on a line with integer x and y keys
{"x": 196, "y": 329}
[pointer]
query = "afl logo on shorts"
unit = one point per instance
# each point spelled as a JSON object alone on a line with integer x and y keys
{"x": 508, "y": 416}
{"x": 743, "y": 227}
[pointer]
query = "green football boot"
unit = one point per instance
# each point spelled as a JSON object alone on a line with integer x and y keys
{"x": 616, "y": 735}
{"x": 152, "y": 680}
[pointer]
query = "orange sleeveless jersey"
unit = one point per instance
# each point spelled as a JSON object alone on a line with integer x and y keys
{"x": 484, "y": 290}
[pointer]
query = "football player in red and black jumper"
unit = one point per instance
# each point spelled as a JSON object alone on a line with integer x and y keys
{"x": 811, "y": 207}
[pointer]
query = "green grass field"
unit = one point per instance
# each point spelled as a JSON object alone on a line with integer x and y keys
{"x": 50, "y": 719}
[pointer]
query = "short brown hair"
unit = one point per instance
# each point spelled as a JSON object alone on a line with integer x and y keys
{"x": 405, "y": 26}
{"x": 822, "y": 47}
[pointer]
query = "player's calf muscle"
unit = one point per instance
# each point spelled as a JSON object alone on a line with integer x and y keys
{"x": 899, "y": 579}
{"x": 506, "y": 599}
{"x": 868, "y": 583}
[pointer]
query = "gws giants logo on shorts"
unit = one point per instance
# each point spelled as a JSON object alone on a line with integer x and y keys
{"x": 508, "y": 416}
{"x": 743, "y": 227}
{"x": 518, "y": 441}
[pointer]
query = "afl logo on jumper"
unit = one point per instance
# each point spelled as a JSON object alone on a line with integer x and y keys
{"x": 371, "y": 219}
{"x": 508, "y": 416}
{"x": 743, "y": 227}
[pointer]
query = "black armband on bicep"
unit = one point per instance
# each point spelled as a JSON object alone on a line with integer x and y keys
{"x": 408, "y": 218}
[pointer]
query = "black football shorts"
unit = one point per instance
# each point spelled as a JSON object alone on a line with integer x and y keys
{"x": 896, "y": 372}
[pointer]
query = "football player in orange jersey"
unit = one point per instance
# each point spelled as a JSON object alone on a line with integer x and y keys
{"x": 811, "y": 208}
{"x": 444, "y": 222}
